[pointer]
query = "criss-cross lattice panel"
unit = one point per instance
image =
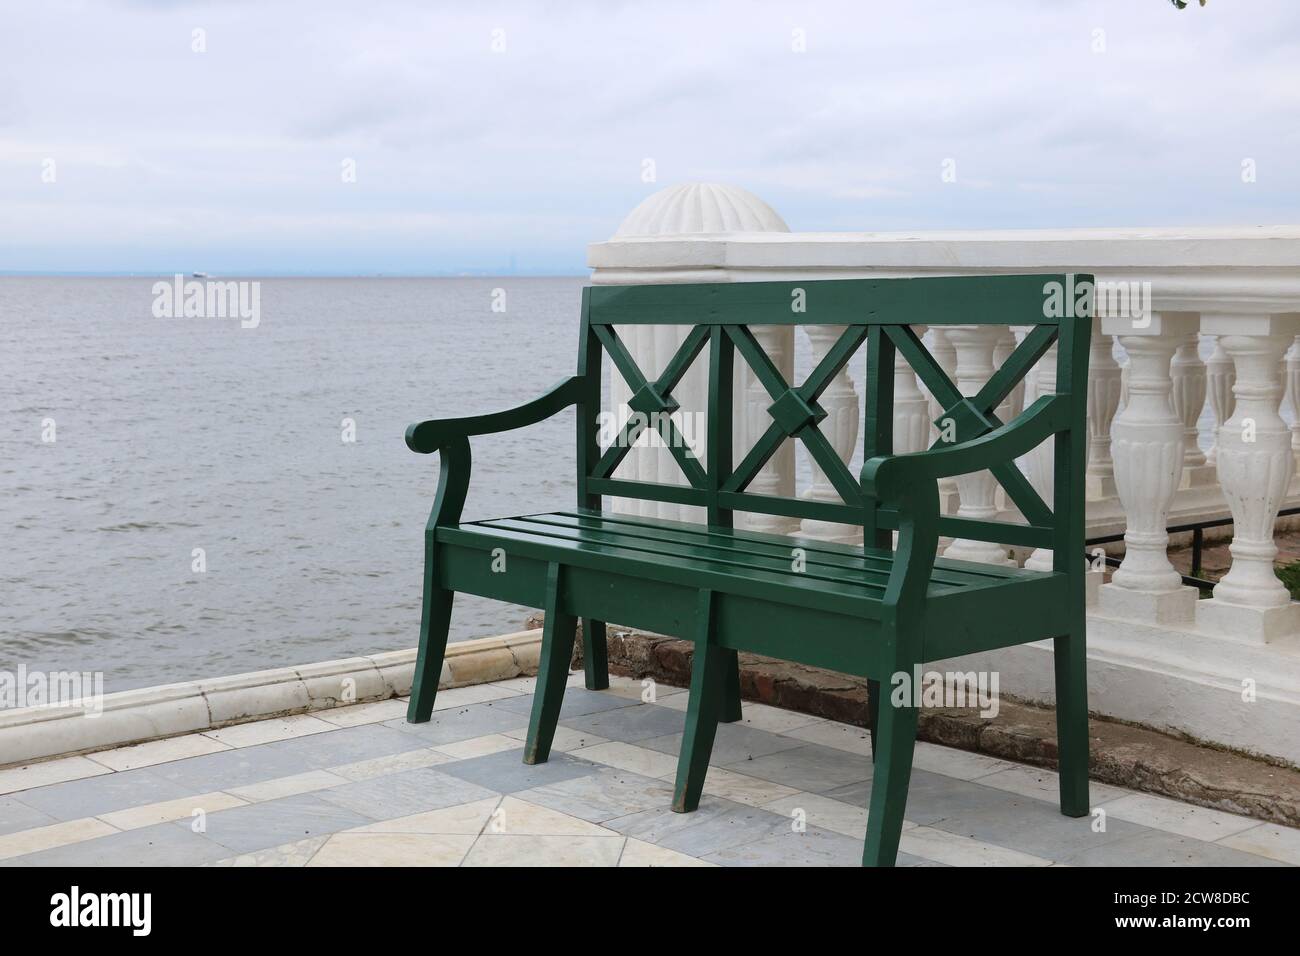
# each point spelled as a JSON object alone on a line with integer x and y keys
{"x": 877, "y": 314}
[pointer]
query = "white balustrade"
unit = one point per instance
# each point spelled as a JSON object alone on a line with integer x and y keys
{"x": 840, "y": 426}
{"x": 1147, "y": 389}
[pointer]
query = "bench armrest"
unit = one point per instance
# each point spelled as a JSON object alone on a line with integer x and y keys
{"x": 888, "y": 477}
{"x": 430, "y": 436}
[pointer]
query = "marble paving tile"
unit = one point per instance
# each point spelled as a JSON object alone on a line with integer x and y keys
{"x": 15, "y": 816}
{"x": 287, "y": 854}
{"x": 1267, "y": 839}
{"x": 462, "y": 723}
{"x": 347, "y": 745}
{"x": 521, "y": 817}
{"x": 961, "y": 764}
{"x": 393, "y": 849}
{"x": 394, "y": 763}
{"x": 1044, "y": 784}
{"x": 463, "y": 818}
{"x": 287, "y": 786}
{"x": 1161, "y": 813}
{"x": 506, "y": 772}
{"x": 158, "y": 751}
{"x": 47, "y": 772}
{"x": 259, "y": 826}
{"x": 454, "y": 698}
{"x": 578, "y": 701}
{"x": 52, "y": 835}
{"x": 164, "y": 812}
{"x": 846, "y": 737}
{"x": 95, "y": 796}
{"x": 370, "y": 713}
{"x": 495, "y": 849}
{"x": 615, "y": 753}
{"x": 630, "y": 724}
{"x": 739, "y": 787}
{"x": 640, "y": 853}
{"x": 776, "y": 720}
{"x": 809, "y": 767}
{"x": 812, "y": 847}
{"x": 604, "y": 795}
{"x": 953, "y": 850}
{"x": 732, "y": 744}
{"x": 716, "y": 825}
{"x": 823, "y": 813}
{"x": 478, "y": 746}
{"x": 1157, "y": 848}
{"x": 404, "y": 793}
{"x": 566, "y": 739}
{"x": 164, "y": 844}
{"x": 267, "y": 731}
{"x": 231, "y": 768}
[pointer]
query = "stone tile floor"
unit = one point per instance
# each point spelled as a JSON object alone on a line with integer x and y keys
{"x": 358, "y": 786}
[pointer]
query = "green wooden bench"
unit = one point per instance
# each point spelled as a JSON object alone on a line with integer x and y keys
{"x": 874, "y": 611}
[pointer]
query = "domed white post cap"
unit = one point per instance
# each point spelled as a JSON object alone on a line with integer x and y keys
{"x": 700, "y": 209}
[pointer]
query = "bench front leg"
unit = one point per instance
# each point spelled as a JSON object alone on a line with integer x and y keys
{"x": 896, "y": 738}
{"x": 708, "y": 687}
{"x": 558, "y": 635}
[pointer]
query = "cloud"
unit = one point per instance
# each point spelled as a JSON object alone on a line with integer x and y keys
{"x": 466, "y": 155}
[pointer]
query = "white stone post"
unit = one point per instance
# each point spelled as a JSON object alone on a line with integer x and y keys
{"x": 1255, "y": 464}
{"x": 1147, "y": 445}
{"x": 1189, "y": 377}
{"x": 945, "y": 356}
{"x": 1040, "y": 461}
{"x": 975, "y": 345}
{"x": 1293, "y": 390}
{"x": 1104, "y": 385}
{"x": 840, "y": 400}
{"x": 912, "y": 419}
{"x": 1220, "y": 377}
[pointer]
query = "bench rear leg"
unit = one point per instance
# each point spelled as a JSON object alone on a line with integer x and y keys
{"x": 873, "y": 713}
{"x": 1072, "y": 722}
{"x": 558, "y": 635}
{"x": 708, "y": 690}
{"x": 730, "y": 712}
{"x": 435, "y": 620}
{"x": 890, "y": 777}
{"x": 595, "y": 654}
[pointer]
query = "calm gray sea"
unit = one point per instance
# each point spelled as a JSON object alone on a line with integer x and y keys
{"x": 177, "y": 434}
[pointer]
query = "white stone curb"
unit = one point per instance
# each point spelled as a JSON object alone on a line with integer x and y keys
{"x": 134, "y": 716}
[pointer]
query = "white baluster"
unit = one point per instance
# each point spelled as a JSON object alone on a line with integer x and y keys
{"x": 1189, "y": 377}
{"x": 1040, "y": 461}
{"x": 1104, "y": 386}
{"x": 975, "y": 345}
{"x": 840, "y": 426}
{"x": 945, "y": 356}
{"x": 1293, "y": 390}
{"x": 1147, "y": 445}
{"x": 1219, "y": 377}
{"x": 911, "y": 407}
{"x": 1255, "y": 464}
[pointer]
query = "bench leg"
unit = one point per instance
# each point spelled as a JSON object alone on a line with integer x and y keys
{"x": 558, "y": 635}
{"x": 730, "y": 712}
{"x": 1072, "y": 722}
{"x": 708, "y": 689}
{"x": 595, "y": 654}
{"x": 435, "y": 620}
{"x": 873, "y": 713}
{"x": 890, "y": 777}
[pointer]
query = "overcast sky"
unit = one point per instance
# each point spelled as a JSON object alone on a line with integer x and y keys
{"x": 1055, "y": 113}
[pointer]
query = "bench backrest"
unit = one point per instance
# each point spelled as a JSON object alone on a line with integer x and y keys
{"x": 877, "y": 313}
